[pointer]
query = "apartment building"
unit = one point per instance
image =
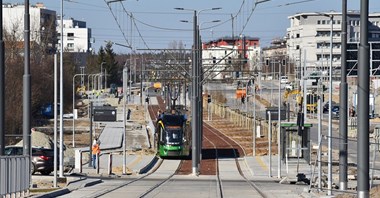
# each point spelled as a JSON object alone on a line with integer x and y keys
{"x": 42, "y": 24}
{"x": 308, "y": 39}
{"x": 228, "y": 57}
{"x": 76, "y": 35}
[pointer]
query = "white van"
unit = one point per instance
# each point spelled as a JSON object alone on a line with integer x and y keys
{"x": 284, "y": 80}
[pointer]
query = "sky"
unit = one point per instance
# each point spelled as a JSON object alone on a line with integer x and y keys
{"x": 155, "y": 24}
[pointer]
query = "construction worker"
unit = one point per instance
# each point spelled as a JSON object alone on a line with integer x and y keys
{"x": 95, "y": 152}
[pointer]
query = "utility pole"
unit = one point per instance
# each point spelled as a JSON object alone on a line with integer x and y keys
{"x": 343, "y": 131}
{"x": 279, "y": 124}
{"x": 194, "y": 87}
{"x": 61, "y": 100}
{"x": 26, "y": 84}
{"x": 363, "y": 107}
{"x": 232, "y": 20}
{"x": 2, "y": 86}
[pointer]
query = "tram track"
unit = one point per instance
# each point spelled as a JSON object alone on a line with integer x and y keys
{"x": 136, "y": 184}
{"x": 232, "y": 152}
{"x": 158, "y": 185}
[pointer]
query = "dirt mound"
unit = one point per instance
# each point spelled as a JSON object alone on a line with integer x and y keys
{"x": 39, "y": 139}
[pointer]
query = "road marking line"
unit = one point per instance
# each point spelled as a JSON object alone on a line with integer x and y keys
{"x": 261, "y": 163}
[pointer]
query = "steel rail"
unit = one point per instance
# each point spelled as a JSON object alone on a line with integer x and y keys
{"x": 223, "y": 137}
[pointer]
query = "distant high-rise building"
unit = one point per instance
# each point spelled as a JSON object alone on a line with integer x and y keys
{"x": 308, "y": 39}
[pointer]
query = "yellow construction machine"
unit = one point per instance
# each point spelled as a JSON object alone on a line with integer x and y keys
{"x": 311, "y": 99}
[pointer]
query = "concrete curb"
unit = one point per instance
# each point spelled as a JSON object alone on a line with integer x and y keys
{"x": 71, "y": 186}
{"x": 75, "y": 185}
{"x": 55, "y": 193}
{"x": 149, "y": 166}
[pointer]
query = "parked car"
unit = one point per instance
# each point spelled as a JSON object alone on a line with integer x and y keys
{"x": 284, "y": 80}
{"x": 326, "y": 106}
{"x": 42, "y": 158}
{"x": 335, "y": 112}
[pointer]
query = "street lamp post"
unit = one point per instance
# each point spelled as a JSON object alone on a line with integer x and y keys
{"x": 74, "y": 106}
{"x": 101, "y": 75}
{"x": 330, "y": 116}
{"x": 125, "y": 79}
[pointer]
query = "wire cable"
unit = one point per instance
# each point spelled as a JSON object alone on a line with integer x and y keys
{"x": 118, "y": 24}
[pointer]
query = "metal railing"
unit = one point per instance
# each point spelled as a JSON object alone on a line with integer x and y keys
{"x": 14, "y": 175}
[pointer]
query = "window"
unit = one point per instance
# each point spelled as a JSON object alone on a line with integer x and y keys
{"x": 70, "y": 45}
{"x": 319, "y": 22}
{"x": 323, "y": 22}
{"x": 70, "y": 34}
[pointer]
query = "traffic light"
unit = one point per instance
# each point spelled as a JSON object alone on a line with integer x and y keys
{"x": 209, "y": 98}
{"x": 266, "y": 62}
{"x": 283, "y": 62}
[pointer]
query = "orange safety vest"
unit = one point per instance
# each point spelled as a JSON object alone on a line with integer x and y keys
{"x": 95, "y": 149}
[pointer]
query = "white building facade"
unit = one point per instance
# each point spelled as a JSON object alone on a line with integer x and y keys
{"x": 42, "y": 23}
{"x": 308, "y": 38}
{"x": 76, "y": 36}
{"x": 227, "y": 57}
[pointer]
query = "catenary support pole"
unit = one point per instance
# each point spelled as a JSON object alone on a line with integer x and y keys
{"x": 2, "y": 86}
{"x": 343, "y": 142}
{"x": 194, "y": 87}
{"x": 270, "y": 143}
{"x": 363, "y": 106}
{"x": 27, "y": 151}
{"x": 125, "y": 80}
{"x": 279, "y": 124}
{"x": 319, "y": 157}
{"x": 61, "y": 157}
{"x": 55, "y": 119}
{"x": 254, "y": 122}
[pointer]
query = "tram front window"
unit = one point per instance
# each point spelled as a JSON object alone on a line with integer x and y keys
{"x": 174, "y": 136}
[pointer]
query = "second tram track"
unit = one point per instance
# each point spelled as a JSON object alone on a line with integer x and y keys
{"x": 219, "y": 135}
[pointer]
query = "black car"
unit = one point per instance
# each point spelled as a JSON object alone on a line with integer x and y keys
{"x": 335, "y": 112}
{"x": 42, "y": 158}
{"x": 326, "y": 106}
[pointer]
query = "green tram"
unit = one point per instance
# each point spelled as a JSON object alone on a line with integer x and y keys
{"x": 173, "y": 132}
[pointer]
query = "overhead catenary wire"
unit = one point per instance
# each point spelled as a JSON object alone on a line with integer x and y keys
{"x": 118, "y": 24}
